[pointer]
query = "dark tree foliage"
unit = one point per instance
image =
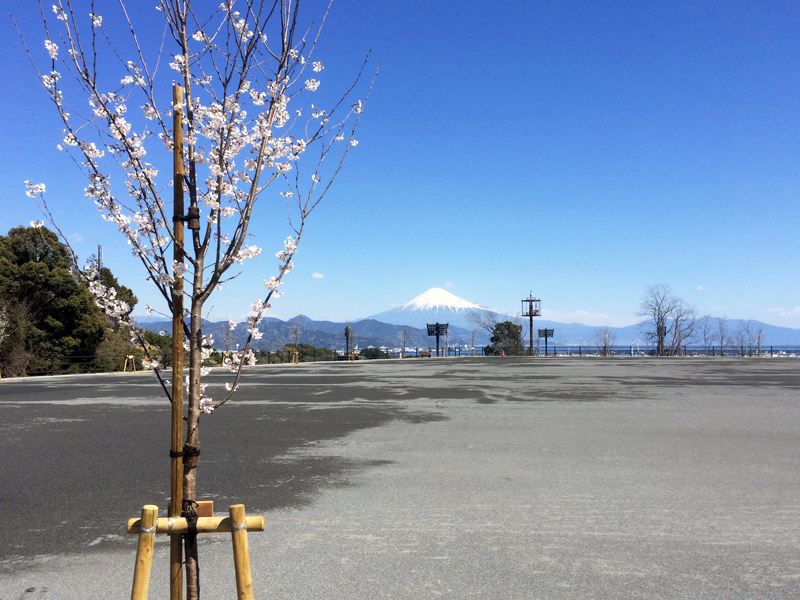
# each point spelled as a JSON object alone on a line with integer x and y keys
{"x": 53, "y": 314}
{"x": 373, "y": 353}
{"x": 506, "y": 338}
{"x": 162, "y": 343}
{"x": 117, "y": 346}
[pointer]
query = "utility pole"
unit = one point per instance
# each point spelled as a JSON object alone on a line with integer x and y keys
{"x": 533, "y": 309}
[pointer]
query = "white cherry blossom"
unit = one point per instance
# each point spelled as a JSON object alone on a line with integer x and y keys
{"x": 52, "y": 49}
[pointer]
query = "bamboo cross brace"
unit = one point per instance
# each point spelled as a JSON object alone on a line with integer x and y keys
{"x": 204, "y": 525}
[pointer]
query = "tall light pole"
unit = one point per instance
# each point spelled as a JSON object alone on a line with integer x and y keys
{"x": 531, "y": 307}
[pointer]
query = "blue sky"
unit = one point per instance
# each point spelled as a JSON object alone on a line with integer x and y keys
{"x": 579, "y": 150}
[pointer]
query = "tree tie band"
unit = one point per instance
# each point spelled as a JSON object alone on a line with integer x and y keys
{"x": 186, "y": 453}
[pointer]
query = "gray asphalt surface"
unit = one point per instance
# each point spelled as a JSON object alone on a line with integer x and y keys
{"x": 458, "y": 478}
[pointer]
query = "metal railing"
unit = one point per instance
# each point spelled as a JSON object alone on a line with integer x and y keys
{"x": 19, "y": 366}
{"x": 711, "y": 351}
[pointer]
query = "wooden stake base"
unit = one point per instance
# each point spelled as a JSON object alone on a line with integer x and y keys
{"x": 237, "y": 523}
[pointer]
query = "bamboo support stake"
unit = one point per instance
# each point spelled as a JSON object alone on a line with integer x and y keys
{"x": 144, "y": 553}
{"x": 203, "y": 525}
{"x": 176, "y": 466}
{"x": 241, "y": 553}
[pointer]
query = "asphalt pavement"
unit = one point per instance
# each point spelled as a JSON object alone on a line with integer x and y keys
{"x": 456, "y": 478}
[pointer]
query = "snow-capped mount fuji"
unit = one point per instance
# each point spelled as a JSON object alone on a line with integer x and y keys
{"x": 429, "y": 307}
{"x": 437, "y": 298}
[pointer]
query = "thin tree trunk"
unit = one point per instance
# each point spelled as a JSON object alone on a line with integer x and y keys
{"x": 192, "y": 446}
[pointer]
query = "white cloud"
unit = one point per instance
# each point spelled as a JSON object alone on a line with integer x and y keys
{"x": 317, "y": 275}
{"x": 700, "y": 288}
{"x": 785, "y": 312}
{"x": 76, "y": 237}
{"x": 449, "y": 285}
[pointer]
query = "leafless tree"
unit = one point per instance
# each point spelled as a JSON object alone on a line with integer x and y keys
{"x": 670, "y": 320}
{"x": 706, "y": 332}
{"x": 296, "y": 331}
{"x": 684, "y": 324}
{"x": 486, "y": 320}
{"x": 604, "y": 339}
{"x": 755, "y": 337}
{"x": 740, "y": 339}
{"x": 722, "y": 334}
{"x": 403, "y": 336}
{"x": 759, "y": 338}
{"x": 231, "y": 326}
{"x": 747, "y": 336}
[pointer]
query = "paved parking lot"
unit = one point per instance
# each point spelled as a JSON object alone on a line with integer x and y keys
{"x": 457, "y": 478}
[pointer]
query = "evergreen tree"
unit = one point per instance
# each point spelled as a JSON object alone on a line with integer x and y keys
{"x": 51, "y": 313}
{"x": 506, "y": 339}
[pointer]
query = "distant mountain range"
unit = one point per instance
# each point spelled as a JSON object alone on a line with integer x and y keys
{"x": 327, "y": 334}
{"x": 435, "y": 305}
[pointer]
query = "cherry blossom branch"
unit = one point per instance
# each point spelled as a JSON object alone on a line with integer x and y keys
{"x": 238, "y": 92}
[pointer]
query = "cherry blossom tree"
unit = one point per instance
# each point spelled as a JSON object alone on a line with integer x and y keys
{"x": 239, "y": 121}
